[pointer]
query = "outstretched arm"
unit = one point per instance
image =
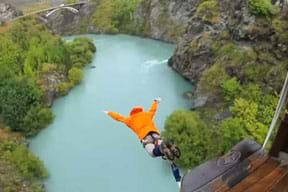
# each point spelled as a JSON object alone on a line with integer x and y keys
{"x": 116, "y": 116}
{"x": 154, "y": 106}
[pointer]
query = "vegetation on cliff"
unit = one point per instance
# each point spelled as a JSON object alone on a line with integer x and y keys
{"x": 34, "y": 66}
{"x": 208, "y": 10}
{"x": 32, "y": 59}
{"x": 245, "y": 67}
{"x": 113, "y": 16}
{"x": 262, "y": 7}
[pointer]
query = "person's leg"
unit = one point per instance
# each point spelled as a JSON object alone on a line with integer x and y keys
{"x": 150, "y": 146}
{"x": 150, "y": 149}
{"x": 157, "y": 151}
{"x": 155, "y": 147}
{"x": 161, "y": 148}
{"x": 153, "y": 151}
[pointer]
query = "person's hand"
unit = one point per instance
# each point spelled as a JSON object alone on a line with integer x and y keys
{"x": 158, "y": 99}
{"x": 106, "y": 112}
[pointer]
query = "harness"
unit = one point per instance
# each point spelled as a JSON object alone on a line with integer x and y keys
{"x": 151, "y": 138}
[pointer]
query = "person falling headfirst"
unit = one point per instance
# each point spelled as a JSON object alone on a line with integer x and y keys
{"x": 142, "y": 124}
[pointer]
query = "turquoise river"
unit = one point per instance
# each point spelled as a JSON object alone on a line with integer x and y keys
{"x": 86, "y": 151}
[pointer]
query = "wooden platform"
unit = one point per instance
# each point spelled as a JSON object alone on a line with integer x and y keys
{"x": 246, "y": 168}
{"x": 269, "y": 175}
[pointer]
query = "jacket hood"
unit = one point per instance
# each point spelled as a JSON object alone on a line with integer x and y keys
{"x": 135, "y": 110}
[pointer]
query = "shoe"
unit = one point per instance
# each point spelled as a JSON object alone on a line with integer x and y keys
{"x": 176, "y": 151}
{"x": 167, "y": 153}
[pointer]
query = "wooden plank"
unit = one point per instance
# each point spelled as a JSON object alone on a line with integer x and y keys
{"x": 267, "y": 182}
{"x": 282, "y": 185}
{"x": 234, "y": 178}
{"x": 235, "y": 174}
{"x": 255, "y": 176}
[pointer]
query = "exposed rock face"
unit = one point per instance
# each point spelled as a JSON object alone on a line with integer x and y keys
{"x": 8, "y": 12}
{"x": 65, "y": 22}
{"x": 50, "y": 82}
{"x": 198, "y": 49}
{"x": 193, "y": 54}
{"x": 165, "y": 20}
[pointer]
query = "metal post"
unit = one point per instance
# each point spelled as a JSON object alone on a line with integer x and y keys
{"x": 281, "y": 141}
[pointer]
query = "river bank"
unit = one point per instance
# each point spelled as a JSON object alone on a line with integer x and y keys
{"x": 35, "y": 70}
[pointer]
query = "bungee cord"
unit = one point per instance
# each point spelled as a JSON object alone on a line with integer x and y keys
{"x": 281, "y": 102}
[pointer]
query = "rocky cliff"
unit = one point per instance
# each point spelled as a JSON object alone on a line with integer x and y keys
{"x": 162, "y": 20}
{"x": 230, "y": 39}
{"x": 216, "y": 39}
{"x": 165, "y": 20}
{"x": 8, "y": 12}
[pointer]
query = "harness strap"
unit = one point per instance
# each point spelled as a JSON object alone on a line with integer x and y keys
{"x": 155, "y": 140}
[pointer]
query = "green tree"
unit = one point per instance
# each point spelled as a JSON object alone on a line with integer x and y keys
{"x": 81, "y": 51}
{"x": 75, "y": 75}
{"x": 233, "y": 131}
{"x": 36, "y": 119}
{"x": 10, "y": 58}
{"x": 17, "y": 96}
{"x": 244, "y": 124}
{"x": 63, "y": 88}
{"x": 194, "y": 138}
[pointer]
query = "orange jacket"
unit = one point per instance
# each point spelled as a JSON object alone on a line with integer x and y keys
{"x": 139, "y": 121}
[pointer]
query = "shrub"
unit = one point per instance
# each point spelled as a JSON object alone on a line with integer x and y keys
{"x": 232, "y": 132}
{"x": 63, "y": 88}
{"x": 230, "y": 88}
{"x": 81, "y": 51}
{"x": 193, "y": 137}
{"x": 261, "y": 7}
{"x": 208, "y": 10}
{"x": 23, "y": 160}
{"x": 11, "y": 56}
{"x": 36, "y": 119}
{"x": 244, "y": 124}
{"x": 17, "y": 97}
{"x": 75, "y": 75}
{"x": 251, "y": 92}
{"x": 212, "y": 78}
